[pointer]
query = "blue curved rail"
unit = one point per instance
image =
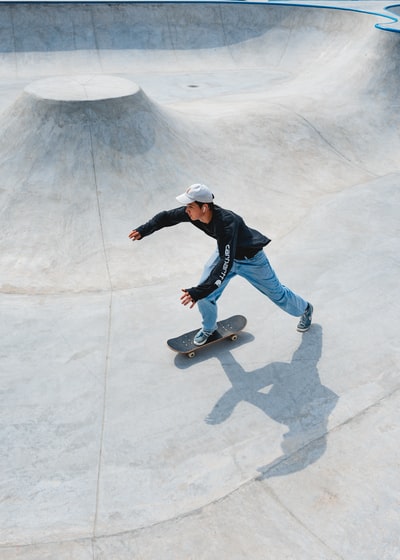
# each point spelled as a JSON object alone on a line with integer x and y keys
{"x": 377, "y": 8}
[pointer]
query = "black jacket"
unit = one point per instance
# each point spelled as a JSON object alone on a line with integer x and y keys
{"x": 235, "y": 240}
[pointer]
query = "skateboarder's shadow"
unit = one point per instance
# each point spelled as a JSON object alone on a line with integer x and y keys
{"x": 294, "y": 397}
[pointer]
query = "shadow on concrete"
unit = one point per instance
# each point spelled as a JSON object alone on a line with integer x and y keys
{"x": 289, "y": 393}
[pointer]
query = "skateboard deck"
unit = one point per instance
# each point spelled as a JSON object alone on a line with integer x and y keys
{"x": 228, "y": 328}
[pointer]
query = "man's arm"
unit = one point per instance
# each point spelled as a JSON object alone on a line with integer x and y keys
{"x": 167, "y": 218}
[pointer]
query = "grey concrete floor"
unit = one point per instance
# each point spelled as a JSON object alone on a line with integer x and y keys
{"x": 278, "y": 446}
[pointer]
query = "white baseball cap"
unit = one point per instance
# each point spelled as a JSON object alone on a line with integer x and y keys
{"x": 196, "y": 193}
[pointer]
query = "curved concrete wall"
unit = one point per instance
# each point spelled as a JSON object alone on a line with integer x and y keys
{"x": 36, "y": 39}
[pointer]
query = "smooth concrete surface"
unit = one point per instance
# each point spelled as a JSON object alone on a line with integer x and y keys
{"x": 278, "y": 446}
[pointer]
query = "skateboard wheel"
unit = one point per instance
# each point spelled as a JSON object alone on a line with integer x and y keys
{"x": 191, "y": 354}
{"x": 234, "y": 337}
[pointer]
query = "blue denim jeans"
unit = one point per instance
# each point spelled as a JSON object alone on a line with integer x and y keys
{"x": 260, "y": 274}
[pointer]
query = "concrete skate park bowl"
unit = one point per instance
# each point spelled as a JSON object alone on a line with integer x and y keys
{"x": 279, "y": 445}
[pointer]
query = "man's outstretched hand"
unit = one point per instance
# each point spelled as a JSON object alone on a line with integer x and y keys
{"x": 186, "y": 299}
{"x": 135, "y": 235}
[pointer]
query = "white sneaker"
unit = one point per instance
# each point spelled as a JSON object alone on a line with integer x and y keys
{"x": 202, "y": 337}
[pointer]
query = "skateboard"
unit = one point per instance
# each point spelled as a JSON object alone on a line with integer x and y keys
{"x": 228, "y": 328}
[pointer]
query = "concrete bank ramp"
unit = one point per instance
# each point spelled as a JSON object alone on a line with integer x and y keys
{"x": 280, "y": 445}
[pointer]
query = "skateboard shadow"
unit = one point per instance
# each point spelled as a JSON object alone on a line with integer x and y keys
{"x": 296, "y": 398}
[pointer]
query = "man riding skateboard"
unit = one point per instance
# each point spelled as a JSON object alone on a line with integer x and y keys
{"x": 239, "y": 252}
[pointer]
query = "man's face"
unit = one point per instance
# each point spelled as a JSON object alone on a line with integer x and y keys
{"x": 194, "y": 211}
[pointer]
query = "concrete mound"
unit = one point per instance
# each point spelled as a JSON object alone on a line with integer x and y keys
{"x": 67, "y": 146}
